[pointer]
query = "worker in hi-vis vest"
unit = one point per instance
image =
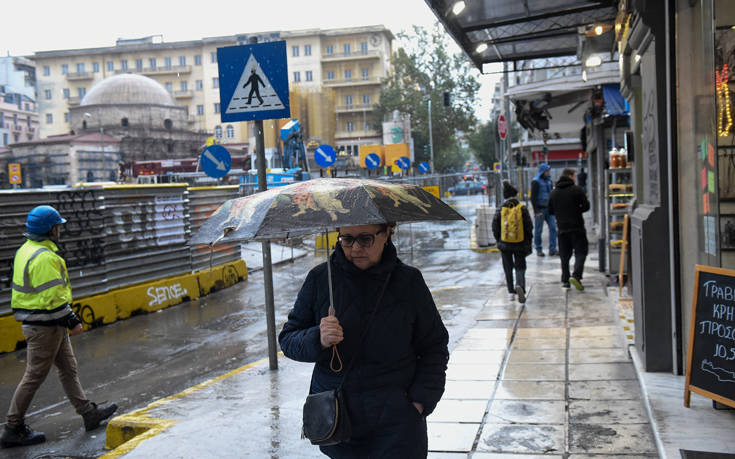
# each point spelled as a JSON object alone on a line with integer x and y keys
{"x": 42, "y": 302}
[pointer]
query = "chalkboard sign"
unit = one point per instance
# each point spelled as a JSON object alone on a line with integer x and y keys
{"x": 711, "y": 356}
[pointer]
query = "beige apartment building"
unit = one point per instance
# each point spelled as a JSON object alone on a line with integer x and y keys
{"x": 335, "y": 76}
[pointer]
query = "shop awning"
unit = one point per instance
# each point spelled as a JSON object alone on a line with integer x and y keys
{"x": 513, "y": 30}
{"x": 615, "y": 103}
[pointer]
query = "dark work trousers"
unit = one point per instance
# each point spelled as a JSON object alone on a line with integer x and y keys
{"x": 514, "y": 259}
{"x": 576, "y": 242}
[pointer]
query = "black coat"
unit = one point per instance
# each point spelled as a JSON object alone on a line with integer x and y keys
{"x": 568, "y": 202}
{"x": 404, "y": 358}
{"x": 524, "y": 246}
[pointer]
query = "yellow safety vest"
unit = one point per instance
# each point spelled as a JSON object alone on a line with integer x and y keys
{"x": 40, "y": 284}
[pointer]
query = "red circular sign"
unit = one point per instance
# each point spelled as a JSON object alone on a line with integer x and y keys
{"x": 502, "y": 127}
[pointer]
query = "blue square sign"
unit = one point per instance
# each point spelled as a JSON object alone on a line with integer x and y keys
{"x": 253, "y": 82}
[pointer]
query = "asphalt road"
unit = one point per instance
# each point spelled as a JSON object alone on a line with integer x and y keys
{"x": 147, "y": 357}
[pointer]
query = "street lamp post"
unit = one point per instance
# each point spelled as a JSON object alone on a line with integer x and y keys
{"x": 431, "y": 137}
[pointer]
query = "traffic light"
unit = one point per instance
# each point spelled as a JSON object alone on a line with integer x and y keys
{"x": 426, "y": 150}
{"x": 446, "y": 98}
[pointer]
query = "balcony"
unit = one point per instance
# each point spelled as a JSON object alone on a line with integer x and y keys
{"x": 350, "y": 56}
{"x": 183, "y": 94}
{"x": 76, "y": 76}
{"x": 353, "y": 108}
{"x": 166, "y": 70}
{"x": 76, "y": 100}
{"x": 343, "y": 134}
{"x": 351, "y": 82}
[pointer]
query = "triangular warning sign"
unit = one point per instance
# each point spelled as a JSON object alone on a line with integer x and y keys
{"x": 254, "y": 92}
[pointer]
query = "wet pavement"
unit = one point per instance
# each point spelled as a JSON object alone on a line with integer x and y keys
{"x": 549, "y": 378}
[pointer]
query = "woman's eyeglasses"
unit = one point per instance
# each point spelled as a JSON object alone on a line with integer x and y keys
{"x": 365, "y": 240}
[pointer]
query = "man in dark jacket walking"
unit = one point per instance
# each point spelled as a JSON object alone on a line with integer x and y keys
{"x": 568, "y": 202}
{"x": 514, "y": 253}
{"x": 541, "y": 187}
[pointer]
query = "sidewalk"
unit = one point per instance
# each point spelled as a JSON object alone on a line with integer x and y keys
{"x": 550, "y": 378}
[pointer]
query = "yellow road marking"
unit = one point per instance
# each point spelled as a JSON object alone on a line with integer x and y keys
{"x": 127, "y": 431}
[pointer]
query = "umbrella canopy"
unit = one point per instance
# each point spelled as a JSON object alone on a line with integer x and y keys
{"x": 316, "y": 205}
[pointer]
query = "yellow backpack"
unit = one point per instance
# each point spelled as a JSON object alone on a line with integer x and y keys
{"x": 511, "y": 223}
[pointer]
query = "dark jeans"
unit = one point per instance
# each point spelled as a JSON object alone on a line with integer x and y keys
{"x": 517, "y": 260}
{"x": 573, "y": 241}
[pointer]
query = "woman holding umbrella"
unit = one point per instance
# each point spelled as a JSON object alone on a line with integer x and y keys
{"x": 386, "y": 320}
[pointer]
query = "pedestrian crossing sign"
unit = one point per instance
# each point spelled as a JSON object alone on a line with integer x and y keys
{"x": 253, "y": 82}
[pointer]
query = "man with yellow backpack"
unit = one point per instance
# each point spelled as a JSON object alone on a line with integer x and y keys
{"x": 513, "y": 230}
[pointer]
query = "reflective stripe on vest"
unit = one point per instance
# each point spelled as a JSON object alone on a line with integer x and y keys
{"x": 39, "y": 315}
{"x": 26, "y": 287}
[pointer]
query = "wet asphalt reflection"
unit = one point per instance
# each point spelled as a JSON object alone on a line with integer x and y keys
{"x": 151, "y": 356}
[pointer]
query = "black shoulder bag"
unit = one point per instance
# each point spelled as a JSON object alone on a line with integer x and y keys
{"x": 325, "y": 418}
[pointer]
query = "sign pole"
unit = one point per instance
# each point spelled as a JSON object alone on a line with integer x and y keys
{"x": 270, "y": 315}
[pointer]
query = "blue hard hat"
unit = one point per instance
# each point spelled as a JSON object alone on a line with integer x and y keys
{"x": 42, "y": 218}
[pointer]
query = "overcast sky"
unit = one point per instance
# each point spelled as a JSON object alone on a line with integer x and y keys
{"x": 46, "y": 25}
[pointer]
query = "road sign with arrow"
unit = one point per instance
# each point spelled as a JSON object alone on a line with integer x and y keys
{"x": 215, "y": 161}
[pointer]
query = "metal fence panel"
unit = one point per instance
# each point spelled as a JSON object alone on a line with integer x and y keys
{"x": 203, "y": 201}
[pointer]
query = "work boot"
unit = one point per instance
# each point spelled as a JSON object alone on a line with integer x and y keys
{"x": 96, "y": 415}
{"x": 20, "y": 436}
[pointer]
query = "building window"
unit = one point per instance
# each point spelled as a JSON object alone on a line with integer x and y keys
{"x": 350, "y": 126}
{"x": 348, "y": 74}
{"x": 307, "y": 50}
{"x": 96, "y": 67}
{"x": 197, "y": 59}
{"x": 365, "y": 74}
{"x": 346, "y": 49}
{"x": 182, "y": 60}
{"x": 329, "y": 49}
{"x": 215, "y": 82}
{"x": 64, "y": 69}
{"x": 66, "y": 117}
{"x": 124, "y": 122}
{"x": 366, "y": 126}
{"x": 110, "y": 66}
{"x": 169, "y": 86}
{"x": 309, "y": 76}
{"x": 363, "y": 48}
{"x": 199, "y": 85}
{"x": 297, "y": 76}
{"x": 152, "y": 62}
{"x": 5, "y": 139}
{"x": 216, "y": 110}
{"x": 230, "y": 131}
{"x": 213, "y": 57}
{"x": 218, "y": 132}
{"x": 81, "y": 92}
{"x": 348, "y": 100}
{"x": 49, "y": 118}
{"x": 46, "y": 70}
{"x": 66, "y": 93}
{"x": 184, "y": 86}
{"x": 330, "y": 75}
{"x": 295, "y": 51}
{"x": 80, "y": 67}
{"x": 200, "y": 109}
{"x": 124, "y": 64}
{"x": 139, "y": 65}
{"x": 366, "y": 99}
{"x": 167, "y": 62}
{"x": 47, "y": 94}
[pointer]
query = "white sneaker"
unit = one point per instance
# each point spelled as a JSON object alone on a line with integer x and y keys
{"x": 511, "y": 297}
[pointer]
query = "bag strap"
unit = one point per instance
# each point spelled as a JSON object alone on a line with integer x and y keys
{"x": 364, "y": 333}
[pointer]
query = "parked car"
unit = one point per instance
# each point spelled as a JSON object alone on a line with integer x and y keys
{"x": 467, "y": 187}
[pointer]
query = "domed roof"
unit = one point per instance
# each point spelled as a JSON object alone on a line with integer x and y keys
{"x": 127, "y": 88}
